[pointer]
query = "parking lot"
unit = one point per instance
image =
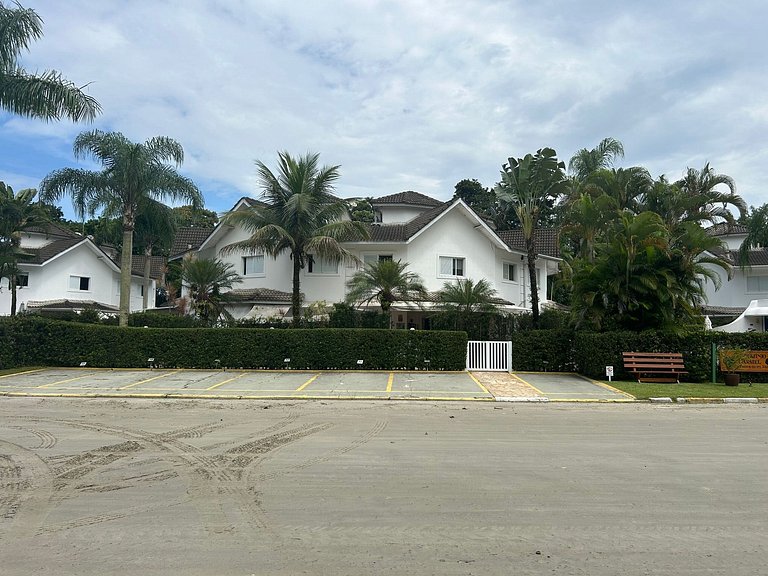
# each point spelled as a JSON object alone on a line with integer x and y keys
{"x": 244, "y": 384}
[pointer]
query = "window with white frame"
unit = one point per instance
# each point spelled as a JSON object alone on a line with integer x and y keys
{"x": 509, "y": 271}
{"x": 757, "y": 283}
{"x": 370, "y": 259}
{"x": 253, "y": 265}
{"x": 320, "y": 265}
{"x": 452, "y": 266}
{"x": 79, "y": 283}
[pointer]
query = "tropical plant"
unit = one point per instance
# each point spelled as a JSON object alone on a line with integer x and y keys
{"x": 299, "y": 215}
{"x": 757, "y": 233}
{"x": 585, "y": 162}
{"x": 18, "y": 212}
{"x": 527, "y": 185}
{"x": 48, "y": 95}
{"x": 700, "y": 200}
{"x": 386, "y": 282}
{"x": 133, "y": 174}
{"x": 208, "y": 281}
{"x": 466, "y": 297}
{"x": 155, "y": 230}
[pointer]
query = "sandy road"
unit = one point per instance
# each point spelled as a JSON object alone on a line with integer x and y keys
{"x": 194, "y": 487}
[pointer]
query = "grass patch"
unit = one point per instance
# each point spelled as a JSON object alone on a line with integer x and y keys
{"x": 645, "y": 390}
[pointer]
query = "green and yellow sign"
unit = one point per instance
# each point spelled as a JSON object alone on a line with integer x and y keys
{"x": 744, "y": 360}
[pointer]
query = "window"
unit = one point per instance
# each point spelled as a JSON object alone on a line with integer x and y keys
{"x": 370, "y": 259}
{"x": 80, "y": 283}
{"x": 757, "y": 283}
{"x": 450, "y": 266}
{"x": 510, "y": 271}
{"x": 253, "y": 265}
{"x": 22, "y": 280}
{"x": 318, "y": 265}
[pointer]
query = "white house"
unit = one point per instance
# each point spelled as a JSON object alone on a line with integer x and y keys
{"x": 69, "y": 272}
{"x": 746, "y": 294}
{"x": 441, "y": 241}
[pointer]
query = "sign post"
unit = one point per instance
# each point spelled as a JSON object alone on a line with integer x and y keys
{"x": 609, "y": 372}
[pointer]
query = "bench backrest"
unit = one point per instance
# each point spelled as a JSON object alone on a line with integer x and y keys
{"x": 650, "y": 360}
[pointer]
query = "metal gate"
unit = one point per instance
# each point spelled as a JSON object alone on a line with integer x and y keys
{"x": 490, "y": 356}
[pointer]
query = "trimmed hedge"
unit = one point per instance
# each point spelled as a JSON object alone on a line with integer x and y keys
{"x": 42, "y": 342}
{"x": 543, "y": 350}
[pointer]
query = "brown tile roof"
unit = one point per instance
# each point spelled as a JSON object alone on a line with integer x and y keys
{"x": 259, "y": 295}
{"x": 724, "y": 228}
{"x": 756, "y": 257}
{"x": 547, "y": 241}
{"x": 402, "y": 232}
{"x": 407, "y": 197}
{"x": 188, "y": 239}
{"x": 156, "y": 270}
{"x": 70, "y": 305}
{"x": 45, "y": 253}
{"x": 53, "y": 229}
{"x": 722, "y": 310}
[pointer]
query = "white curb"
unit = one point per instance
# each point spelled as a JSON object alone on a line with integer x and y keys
{"x": 661, "y": 400}
{"x": 740, "y": 400}
{"x": 521, "y": 399}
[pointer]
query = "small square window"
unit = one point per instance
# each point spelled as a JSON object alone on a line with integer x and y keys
{"x": 318, "y": 265}
{"x": 79, "y": 283}
{"x": 450, "y": 266}
{"x": 253, "y": 265}
{"x": 22, "y": 280}
{"x": 510, "y": 272}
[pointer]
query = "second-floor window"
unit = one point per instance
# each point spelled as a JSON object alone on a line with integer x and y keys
{"x": 509, "y": 272}
{"x": 80, "y": 283}
{"x": 450, "y": 266}
{"x": 370, "y": 259}
{"x": 757, "y": 283}
{"x": 319, "y": 265}
{"x": 253, "y": 265}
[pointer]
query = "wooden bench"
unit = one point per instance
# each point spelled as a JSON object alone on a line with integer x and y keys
{"x": 655, "y": 366}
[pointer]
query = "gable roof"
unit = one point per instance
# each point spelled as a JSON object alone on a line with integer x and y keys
{"x": 405, "y": 231}
{"x": 547, "y": 241}
{"x": 52, "y": 229}
{"x": 408, "y": 197}
{"x": 52, "y": 249}
{"x": 156, "y": 267}
{"x": 188, "y": 238}
{"x": 724, "y": 229}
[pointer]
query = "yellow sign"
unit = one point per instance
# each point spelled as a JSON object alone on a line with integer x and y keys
{"x": 753, "y": 360}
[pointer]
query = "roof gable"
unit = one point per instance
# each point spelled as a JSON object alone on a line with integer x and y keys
{"x": 546, "y": 240}
{"x": 409, "y": 198}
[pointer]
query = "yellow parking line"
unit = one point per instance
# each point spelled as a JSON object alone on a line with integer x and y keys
{"x": 20, "y": 373}
{"x": 389, "y": 381}
{"x": 63, "y": 381}
{"x": 226, "y": 381}
{"x": 307, "y": 383}
{"x": 483, "y": 388}
{"x": 528, "y": 384}
{"x": 148, "y": 380}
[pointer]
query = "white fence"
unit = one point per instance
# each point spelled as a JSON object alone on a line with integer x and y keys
{"x": 490, "y": 356}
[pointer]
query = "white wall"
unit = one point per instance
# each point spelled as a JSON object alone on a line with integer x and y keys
{"x": 734, "y": 292}
{"x": 398, "y": 214}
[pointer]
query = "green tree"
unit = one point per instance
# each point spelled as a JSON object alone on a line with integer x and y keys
{"x": 299, "y": 215}
{"x": 527, "y": 185}
{"x": 18, "y": 212}
{"x": 756, "y": 223}
{"x": 705, "y": 196}
{"x": 208, "y": 282}
{"x": 155, "y": 230}
{"x": 475, "y": 195}
{"x": 385, "y": 281}
{"x": 48, "y": 96}
{"x": 465, "y": 297}
{"x": 133, "y": 173}
{"x": 361, "y": 210}
{"x": 585, "y": 162}
{"x": 188, "y": 216}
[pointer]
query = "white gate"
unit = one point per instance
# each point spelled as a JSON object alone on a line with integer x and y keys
{"x": 490, "y": 356}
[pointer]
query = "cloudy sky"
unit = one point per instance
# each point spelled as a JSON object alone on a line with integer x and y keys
{"x": 408, "y": 94}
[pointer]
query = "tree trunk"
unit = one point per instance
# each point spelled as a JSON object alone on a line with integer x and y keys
{"x": 126, "y": 260}
{"x": 534, "y": 287}
{"x": 147, "y": 271}
{"x": 12, "y": 284}
{"x": 296, "y": 296}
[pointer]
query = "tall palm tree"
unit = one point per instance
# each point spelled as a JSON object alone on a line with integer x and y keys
{"x": 586, "y": 162}
{"x": 18, "y": 212}
{"x": 385, "y": 281}
{"x": 757, "y": 233}
{"x": 527, "y": 184}
{"x": 155, "y": 229}
{"x": 133, "y": 174}
{"x": 48, "y": 95}
{"x": 702, "y": 197}
{"x": 209, "y": 281}
{"x": 299, "y": 215}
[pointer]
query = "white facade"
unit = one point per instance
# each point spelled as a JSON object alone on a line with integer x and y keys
{"x": 79, "y": 272}
{"x": 746, "y": 284}
{"x": 455, "y": 244}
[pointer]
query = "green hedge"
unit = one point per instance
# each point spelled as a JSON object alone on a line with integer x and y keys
{"x": 41, "y": 342}
{"x": 543, "y": 350}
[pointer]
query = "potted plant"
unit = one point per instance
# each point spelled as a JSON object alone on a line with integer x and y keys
{"x": 730, "y": 362}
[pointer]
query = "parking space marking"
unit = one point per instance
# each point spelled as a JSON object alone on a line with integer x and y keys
{"x": 528, "y": 384}
{"x": 307, "y": 383}
{"x": 148, "y": 380}
{"x": 63, "y": 381}
{"x": 226, "y": 381}
{"x": 483, "y": 388}
{"x": 20, "y": 373}
{"x": 389, "y": 381}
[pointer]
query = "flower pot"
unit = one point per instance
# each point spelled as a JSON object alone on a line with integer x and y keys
{"x": 732, "y": 379}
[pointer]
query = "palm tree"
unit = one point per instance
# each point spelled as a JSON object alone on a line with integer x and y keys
{"x": 700, "y": 199}
{"x": 18, "y": 212}
{"x": 385, "y": 281}
{"x": 527, "y": 184}
{"x": 466, "y": 297}
{"x": 586, "y": 162}
{"x": 209, "y": 281}
{"x": 132, "y": 175}
{"x": 155, "y": 228}
{"x": 757, "y": 233}
{"x": 299, "y": 215}
{"x": 48, "y": 95}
